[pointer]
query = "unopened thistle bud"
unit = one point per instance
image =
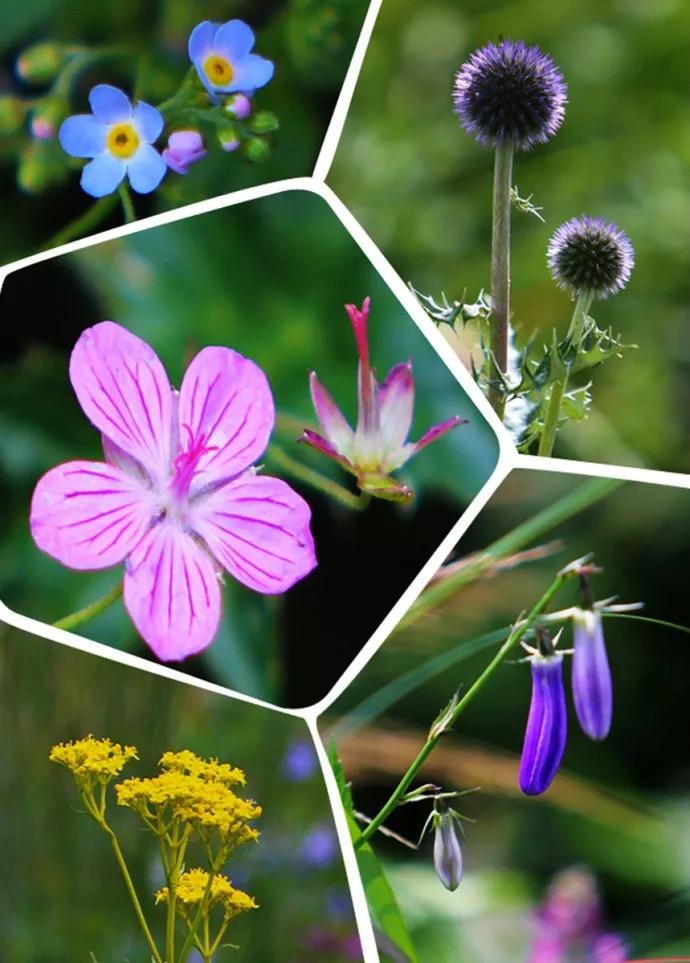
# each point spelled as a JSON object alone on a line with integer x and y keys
{"x": 510, "y": 93}
{"x": 547, "y": 724}
{"x": 447, "y": 849}
{"x": 590, "y": 256}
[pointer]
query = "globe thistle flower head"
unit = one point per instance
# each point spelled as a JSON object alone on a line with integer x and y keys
{"x": 510, "y": 92}
{"x": 590, "y": 256}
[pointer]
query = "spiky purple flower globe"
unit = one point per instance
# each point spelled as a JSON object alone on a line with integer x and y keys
{"x": 588, "y": 255}
{"x": 510, "y": 92}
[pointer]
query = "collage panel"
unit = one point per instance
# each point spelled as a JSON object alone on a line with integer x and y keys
{"x": 511, "y": 757}
{"x": 166, "y": 104}
{"x": 539, "y": 155}
{"x": 115, "y": 779}
{"x": 237, "y": 544}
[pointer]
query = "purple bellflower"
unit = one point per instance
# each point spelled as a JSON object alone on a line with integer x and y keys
{"x": 185, "y": 147}
{"x": 547, "y": 723}
{"x": 118, "y": 138}
{"x": 591, "y": 256}
{"x": 222, "y": 58}
{"x": 510, "y": 93}
{"x": 177, "y": 499}
{"x": 591, "y": 679}
{"x": 379, "y": 444}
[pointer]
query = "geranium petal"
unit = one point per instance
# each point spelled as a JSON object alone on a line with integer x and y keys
{"x": 332, "y": 421}
{"x": 82, "y": 136}
{"x": 148, "y": 122}
{"x": 103, "y": 175}
{"x": 226, "y": 400}
{"x": 109, "y": 104}
{"x": 146, "y": 170}
{"x": 172, "y": 594}
{"x": 124, "y": 391}
{"x": 89, "y": 515}
{"x": 250, "y": 73}
{"x": 257, "y": 527}
{"x": 396, "y": 406}
{"x": 233, "y": 40}
{"x": 200, "y": 40}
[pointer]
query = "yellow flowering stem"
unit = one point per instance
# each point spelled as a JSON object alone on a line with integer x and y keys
{"x": 194, "y": 925}
{"x": 178, "y": 847}
{"x": 132, "y": 892}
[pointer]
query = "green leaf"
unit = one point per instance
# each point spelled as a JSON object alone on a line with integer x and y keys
{"x": 383, "y": 905}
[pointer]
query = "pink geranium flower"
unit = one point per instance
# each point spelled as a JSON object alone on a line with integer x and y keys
{"x": 378, "y": 445}
{"x": 177, "y": 498}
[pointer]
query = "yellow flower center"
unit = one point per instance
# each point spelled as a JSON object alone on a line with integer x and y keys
{"x": 218, "y": 70}
{"x": 123, "y": 140}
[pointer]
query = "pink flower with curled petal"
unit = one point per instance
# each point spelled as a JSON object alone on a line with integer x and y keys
{"x": 379, "y": 443}
{"x": 177, "y": 499}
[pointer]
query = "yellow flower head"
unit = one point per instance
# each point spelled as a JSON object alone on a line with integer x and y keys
{"x": 208, "y": 769}
{"x": 93, "y": 760}
{"x": 191, "y": 889}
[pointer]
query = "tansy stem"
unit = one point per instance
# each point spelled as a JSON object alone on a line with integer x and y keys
{"x": 70, "y": 622}
{"x": 516, "y": 634}
{"x": 571, "y": 504}
{"x": 315, "y": 480}
{"x": 500, "y": 271}
{"x": 553, "y": 409}
{"x": 86, "y": 222}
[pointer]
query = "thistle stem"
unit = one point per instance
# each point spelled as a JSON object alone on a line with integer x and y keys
{"x": 555, "y": 403}
{"x": 500, "y": 272}
{"x": 70, "y": 622}
{"x": 316, "y": 480}
{"x": 514, "y": 637}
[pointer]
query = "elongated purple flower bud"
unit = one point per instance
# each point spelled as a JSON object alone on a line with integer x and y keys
{"x": 592, "y": 688}
{"x": 547, "y": 724}
{"x": 447, "y": 851}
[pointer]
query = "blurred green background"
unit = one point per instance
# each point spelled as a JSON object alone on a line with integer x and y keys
{"x": 269, "y": 279}
{"x": 61, "y": 890}
{"x": 620, "y": 807}
{"x": 310, "y": 42}
{"x": 421, "y": 187}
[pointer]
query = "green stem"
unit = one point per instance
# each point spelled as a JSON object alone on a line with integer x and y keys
{"x": 126, "y": 201}
{"x": 194, "y": 925}
{"x": 132, "y": 892}
{"x": 70, "y": 622}
{"x": 591, "y": 491}
{"x": 515, "y": 635}
{"x": 316, "y": 480}
{"x": 85, "y": 223}
{"x": 553, "y": 410}
{"x": 500, "y": 272}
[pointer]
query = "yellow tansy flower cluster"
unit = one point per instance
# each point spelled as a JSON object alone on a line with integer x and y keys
{"x": 191, "y": 889}
{"x": 93, "y": 760}
{"x": 208, "y": 769}
{"x": 193, "y": 790}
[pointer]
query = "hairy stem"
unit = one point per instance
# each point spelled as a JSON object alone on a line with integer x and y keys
{"x": 315, "y": 480}
{"x": 127, "y": 205}
{"x": 86, "y": 222}
{"x": 500, "y": 272}
{"x": 514, "y": 637}
{"x": 70, "y": 622}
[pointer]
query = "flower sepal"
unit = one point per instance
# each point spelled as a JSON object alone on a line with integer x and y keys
{"x": 383, "y": 486}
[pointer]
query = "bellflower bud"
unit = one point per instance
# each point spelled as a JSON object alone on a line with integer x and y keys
{"x": 447, "y": 850}
{"x": 547, "y": 724}
{"x": 592, "y": 687}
